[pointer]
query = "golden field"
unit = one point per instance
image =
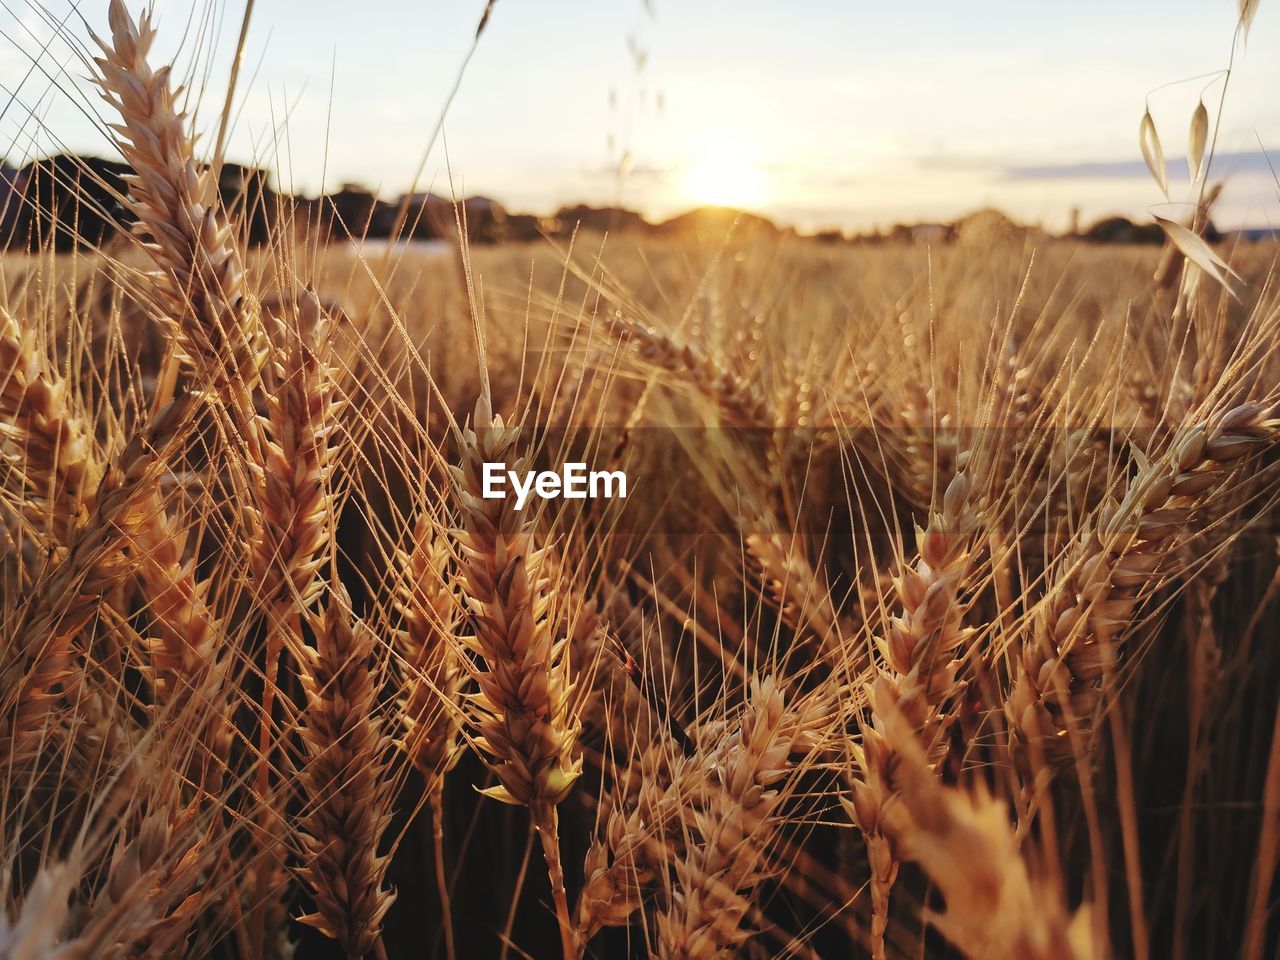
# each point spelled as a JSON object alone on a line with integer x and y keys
{"x": 938, "y": 619}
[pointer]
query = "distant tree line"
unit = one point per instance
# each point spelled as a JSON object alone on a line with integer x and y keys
{"x": 64, "y": 201}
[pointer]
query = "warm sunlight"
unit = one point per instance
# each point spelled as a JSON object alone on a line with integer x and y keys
{"x": 725, "y": 176}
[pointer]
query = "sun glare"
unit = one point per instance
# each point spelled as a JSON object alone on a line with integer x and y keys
{"x": 725, "y": 176}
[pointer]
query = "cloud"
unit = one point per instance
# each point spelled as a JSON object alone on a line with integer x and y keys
{"x": 1247, "y": 162}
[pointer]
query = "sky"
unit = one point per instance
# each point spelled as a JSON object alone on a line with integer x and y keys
{"x": 844, "y": 114}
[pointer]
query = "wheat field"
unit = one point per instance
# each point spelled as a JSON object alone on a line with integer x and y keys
{"x": 939, "y": 618}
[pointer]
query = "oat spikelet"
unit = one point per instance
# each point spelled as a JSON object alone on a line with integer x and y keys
{"x": 1199, "y": 137}
{"x": 345, "y": 782}
{"x": 1197, "y": 250}
{"x": 1153, "y": 152}
{"x": 1248, "y": 10}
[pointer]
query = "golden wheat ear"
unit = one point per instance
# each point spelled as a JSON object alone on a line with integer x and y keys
{"x": 69, "y": 595}
{"x": 301, "y": 441}
{"x": 1093, "y": 599}
{"x": 344, "y": 783}
{"x": 918, "y": 649}
{"x": 200, "y": 272}
{"x": 522, "y": 720}
{"x": 433, "y": 678}
{"x": 60, "y": 460}
{"x": 733, "y": 812}
{"x": 996, "y": 907}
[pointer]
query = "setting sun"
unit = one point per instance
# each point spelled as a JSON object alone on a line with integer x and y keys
{"x": 724, "y": 176}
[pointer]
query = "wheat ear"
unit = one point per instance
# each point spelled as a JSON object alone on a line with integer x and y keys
{"x": 344, "y": 781}
{"x": 296, "y": 524}
{"x": 1094, "y": 594}
{"x": 434, "y": 675}
{"x": 39, "y": 928}
{"x": 47, "y": 439}
{"x": 522, "y": 713}
{"x": 201, "y": 276}
{"x": 187, "y": 630}
{"x": 733, "y": 814}
{"x": 301, "y": 413}
{"x": 159, "y": 875}
{"x": 918, "y": 648}
{"x": 799, "y": 592}
{"x": 200, "y": 281}
{"x": 995, "y": 908}
{"x": 39, "y": 656}
{"x": 433, "y": 680}
{"x": 740, "y": 402}
{"x": 641, "y": 834}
